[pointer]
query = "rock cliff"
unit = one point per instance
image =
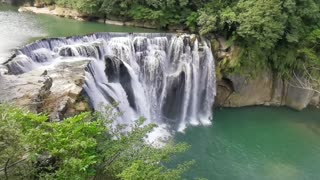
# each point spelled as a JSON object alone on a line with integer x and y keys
{"x": 265, "y": 88}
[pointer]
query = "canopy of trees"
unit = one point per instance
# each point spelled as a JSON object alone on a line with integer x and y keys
{"x": 81, "y": 147}
{"x": 271, "y": 33}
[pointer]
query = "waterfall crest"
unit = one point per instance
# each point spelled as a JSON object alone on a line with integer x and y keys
{"x": 166, "y": 78}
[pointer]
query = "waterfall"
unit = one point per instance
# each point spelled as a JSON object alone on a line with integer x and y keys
{"x": 168, "y": 79}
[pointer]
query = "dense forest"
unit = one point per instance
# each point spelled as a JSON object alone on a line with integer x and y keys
{"x": 279, "y": 34}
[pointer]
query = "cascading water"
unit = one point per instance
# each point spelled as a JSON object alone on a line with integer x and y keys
{"x": 169, "y": 79}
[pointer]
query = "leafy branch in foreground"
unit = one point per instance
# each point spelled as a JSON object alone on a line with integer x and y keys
{"x": 85, "y": 146}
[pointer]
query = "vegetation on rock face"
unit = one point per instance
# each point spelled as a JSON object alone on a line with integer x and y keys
{"x": 82, "y": 147}
{"x": 269, "y": 32}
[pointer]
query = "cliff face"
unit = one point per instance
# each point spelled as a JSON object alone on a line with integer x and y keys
{"x": 237, "y": 90}
{"x": 265, "y": 88}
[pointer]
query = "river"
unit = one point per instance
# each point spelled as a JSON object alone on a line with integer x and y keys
{"x": 18, "y": 29}
{"x": 253, "y": 143}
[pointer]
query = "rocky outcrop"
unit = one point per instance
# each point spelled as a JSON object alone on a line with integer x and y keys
{"x": 237, "y": 91}
{"x": 56, "y": 90}
{"x": 264, "y": 88}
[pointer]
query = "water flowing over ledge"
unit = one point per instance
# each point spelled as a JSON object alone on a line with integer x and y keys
{"x": 169, "y": 79}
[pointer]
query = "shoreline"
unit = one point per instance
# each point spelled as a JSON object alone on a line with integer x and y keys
{"x": 73, "y": 14}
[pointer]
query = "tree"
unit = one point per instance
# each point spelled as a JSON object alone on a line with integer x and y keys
{"x": 81, "y": 147}
{"x": 269, "y": 33}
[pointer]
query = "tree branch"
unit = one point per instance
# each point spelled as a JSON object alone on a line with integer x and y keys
{"x": 13, "y": 164}
{"x": 306, "y": 83}
{"x": 5, "y": 169}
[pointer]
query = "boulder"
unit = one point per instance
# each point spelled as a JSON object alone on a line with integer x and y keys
{"x": 297, "y": 97}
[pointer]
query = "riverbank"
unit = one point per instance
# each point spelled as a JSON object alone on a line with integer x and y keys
{"x": 73, "y": 14}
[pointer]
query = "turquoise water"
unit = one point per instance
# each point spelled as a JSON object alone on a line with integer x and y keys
{"x": 59, "y": 27}
{"x": 256, "y": 143}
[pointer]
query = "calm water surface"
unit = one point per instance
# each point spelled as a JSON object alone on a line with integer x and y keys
{"x": 255, "y": 143}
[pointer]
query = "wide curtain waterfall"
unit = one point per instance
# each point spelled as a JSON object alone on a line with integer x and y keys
{"x": 166, "y": 78}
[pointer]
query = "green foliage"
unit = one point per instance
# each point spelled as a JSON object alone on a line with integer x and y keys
{"x": 192, "y": 21}
{"x": 271, "y": 33}
{"x": 163, "y": 13}
{"x": 72, "y": 142}
{"x": 81, "y": 147}
{"x": 309, "y": 54}
{"x": 14, "y": 125}
{"x": 117, "y": 8}
{"x": 260, "y": 21}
